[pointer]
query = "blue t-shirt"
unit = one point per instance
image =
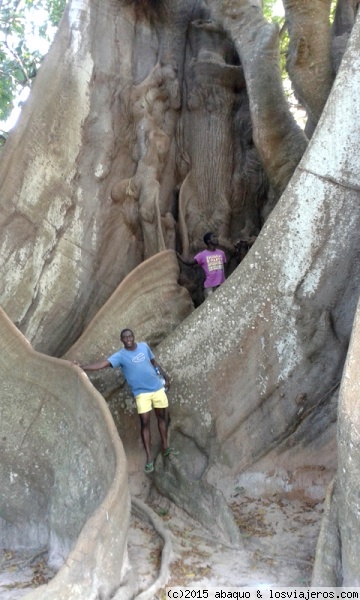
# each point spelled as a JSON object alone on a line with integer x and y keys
{"x": 137, "y": 368}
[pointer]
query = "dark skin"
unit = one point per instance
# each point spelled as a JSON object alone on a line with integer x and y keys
{"x": 240, "y": 248}
{"x": 128, "y": 340}
{"x": 211, "y": 245}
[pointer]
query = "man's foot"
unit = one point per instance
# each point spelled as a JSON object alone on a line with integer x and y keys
{"x": 169, "y": 451}
{"x": 149, "y": 467}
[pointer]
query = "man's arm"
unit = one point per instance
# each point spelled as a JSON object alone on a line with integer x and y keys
{"x": 188, "y": 263}
{"x": 101, "y": 364}
{"x": 156, "y": 365}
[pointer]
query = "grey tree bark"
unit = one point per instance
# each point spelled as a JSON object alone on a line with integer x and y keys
{"x": 309, "y": 59}
{"x": 263, "y": 394}
{"x": 131, "y": 152}
{"x": 345, "y": 15}
{"x": 336, "y": 560}
{"x": 277, "y": 137}
{"x": 81, "y": 210}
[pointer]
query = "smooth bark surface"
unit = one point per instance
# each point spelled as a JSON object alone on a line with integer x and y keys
{"x": 277, "y": 332}
{"x": 336, "y": 561}
{"x": 63, "y": 475}
{"x": 309, "y": 60}
{"x": 345, "y": 15}
{"x": 277, "y": 137}
{"x": 91, "y": 176}
{"x": 134, "y": 150}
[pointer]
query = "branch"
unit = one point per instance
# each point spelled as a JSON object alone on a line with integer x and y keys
{"x": 19, "y": 61}
{"x": 278, "y": 139}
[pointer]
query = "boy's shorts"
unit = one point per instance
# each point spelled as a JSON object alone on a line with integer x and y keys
{"x": 146, "y": 401}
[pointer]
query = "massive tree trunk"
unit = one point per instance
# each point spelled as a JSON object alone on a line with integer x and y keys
{"x": 344, "y": 20}
{"x": 309, "y": 60}
{"x": 337, "y": 555}
{"x": 90, "y": 177}
{"x": 278, "y": 139}
{"x": 63, "y": 475}
{"x": 135, "y": 149}
{"x": 257, "y": 368}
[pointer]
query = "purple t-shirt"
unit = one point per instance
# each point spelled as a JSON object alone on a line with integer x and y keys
{"x": 212, "y": 262}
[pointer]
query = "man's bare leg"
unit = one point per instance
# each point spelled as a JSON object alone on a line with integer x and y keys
{"x": 163, "y": 426}
{"x": 145, "y": 433}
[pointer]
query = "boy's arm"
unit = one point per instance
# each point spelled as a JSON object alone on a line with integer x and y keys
{"x": 188, "y": 263}
{"x": 101, "y": 364}
{"x": 157, "y": 365}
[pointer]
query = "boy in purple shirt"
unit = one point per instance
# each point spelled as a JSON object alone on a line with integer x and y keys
{"x": 212, "y": 261}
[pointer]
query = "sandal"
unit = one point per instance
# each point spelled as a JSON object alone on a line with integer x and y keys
{"x": 169, "y": 451}
{"x": 149, "y": 467}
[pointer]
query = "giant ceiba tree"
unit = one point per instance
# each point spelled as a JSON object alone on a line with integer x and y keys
{"x": 151, "y": 122}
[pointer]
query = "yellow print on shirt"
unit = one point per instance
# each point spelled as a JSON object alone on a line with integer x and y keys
{"x": 215, "y": 263}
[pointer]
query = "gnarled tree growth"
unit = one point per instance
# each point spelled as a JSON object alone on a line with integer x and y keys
{"x": 162, "y": 120}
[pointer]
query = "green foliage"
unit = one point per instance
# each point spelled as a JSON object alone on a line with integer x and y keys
{"x": 332, "y": 10}
{"x": 55, "y": 10}
{"x": 22, "y": 24}
{"x": 268, "y": 8}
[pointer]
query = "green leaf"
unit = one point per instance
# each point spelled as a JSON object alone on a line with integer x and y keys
{"x": 19, "y": 24}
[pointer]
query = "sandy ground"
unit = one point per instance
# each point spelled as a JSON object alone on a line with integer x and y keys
{"x": 22, "y": 571}
{"x": 279, "y": 536}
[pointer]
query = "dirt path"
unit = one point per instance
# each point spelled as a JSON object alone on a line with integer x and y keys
{"x": 279, "y": 543}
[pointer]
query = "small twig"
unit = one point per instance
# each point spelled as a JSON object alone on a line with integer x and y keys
{"x": 19, "y": 61}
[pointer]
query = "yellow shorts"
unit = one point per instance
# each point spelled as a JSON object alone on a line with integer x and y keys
{"x": 146, "y": 401}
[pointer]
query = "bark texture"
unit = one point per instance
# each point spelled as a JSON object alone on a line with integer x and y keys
{"x": 277, "y": 332}
{"x": 143, "y": 142}
{"x": 345, "y": 15}
{"x": 63, "y": 475}
{"x": 337, "y": 555}
{"x": 277, "y": 137}
{"x": 149, "y": 298}
{"x": 90, "y": 178}
{"x": 309, "y": 60}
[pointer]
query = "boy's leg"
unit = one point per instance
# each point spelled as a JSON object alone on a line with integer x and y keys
{"x": 163, "y": 426}
{"x": 145, "y": 434}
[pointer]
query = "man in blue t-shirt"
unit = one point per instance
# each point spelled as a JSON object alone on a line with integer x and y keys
{"x": 138, "y": 365}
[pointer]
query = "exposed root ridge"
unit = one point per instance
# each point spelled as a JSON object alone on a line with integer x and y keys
{"x": 146, "y": 513}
